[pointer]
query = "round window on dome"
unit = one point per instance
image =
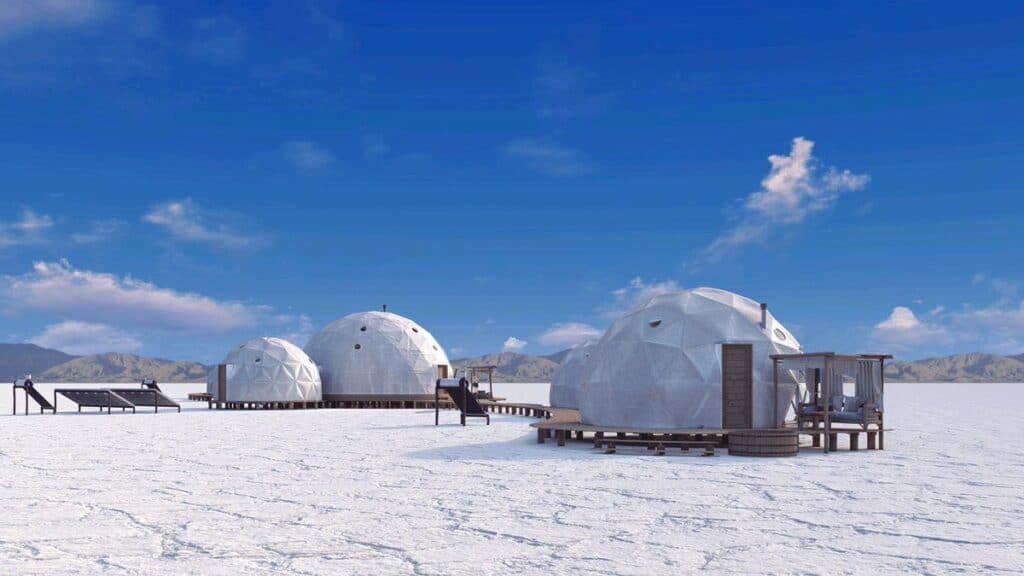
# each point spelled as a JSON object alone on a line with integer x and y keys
{"x": 363, "y": 329}
{"x": 654, "y": 323}
{"x": 257, "y": 360}
{"x": 415, "y": 329}
{"x": 357, "y": 346}
{"x": 780, "y": 334}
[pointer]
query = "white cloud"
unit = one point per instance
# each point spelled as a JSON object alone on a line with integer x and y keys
{"x": 76, "y": 337}
{"x": 30, "y": 228}
{"x": 548, "y": 158}
{"x": 569, "y": 334}
{"x": 638, "y": 293}
{"x": 902, "y": 331}
{"x": 299, "y": 328}
{"x": 937, "y": 310}
{"x": 219, "y": 41}
{"x": 99, "y": 231}
{"x": 59, "y": 288}
{"x": 307, "y": 156}
{"x": 513, "y": 344}
{"x": 24, "y": 16}
{"x": 789, "y": 194}
{"x": 187, "y": 221}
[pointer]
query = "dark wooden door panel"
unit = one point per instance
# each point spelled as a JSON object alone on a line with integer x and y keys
{"x": 737, "y": 385}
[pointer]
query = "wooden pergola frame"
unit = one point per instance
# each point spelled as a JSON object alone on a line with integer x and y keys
{"x": 828, "y": 358}
{"x": 482, "y": 369}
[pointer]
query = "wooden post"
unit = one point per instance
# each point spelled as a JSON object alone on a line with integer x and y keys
{"x": 222, "y": 384}
{"x": 826, "y": 386}
{"x": 775, "y": 400}
{"x": 881, "y": 416}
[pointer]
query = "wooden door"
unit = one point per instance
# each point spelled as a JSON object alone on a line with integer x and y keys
{"x": 737, "y": 385}
{"x": 442, "y": 371}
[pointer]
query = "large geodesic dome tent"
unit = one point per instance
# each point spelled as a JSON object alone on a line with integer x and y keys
{"x": 268, "y": 370}
{"x": 691, "y": 359}
{"x": 377, "y": 354}
{"x": 567, "y": 382}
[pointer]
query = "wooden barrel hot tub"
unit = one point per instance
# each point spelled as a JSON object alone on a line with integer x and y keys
{"x": 769, "y": 442}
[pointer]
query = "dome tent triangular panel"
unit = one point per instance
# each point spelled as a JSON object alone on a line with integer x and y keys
{"x": 269, "y": 370}
{"x": 568, "y": 379}
{"x": 376, "y": 353}
{"x": 660, "y": 365}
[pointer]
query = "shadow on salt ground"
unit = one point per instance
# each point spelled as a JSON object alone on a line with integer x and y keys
{"x": 525, "y": 448}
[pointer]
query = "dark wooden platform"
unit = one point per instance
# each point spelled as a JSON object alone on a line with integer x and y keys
{"x": 349, "y": 402}
{"x": 564, "y": 424}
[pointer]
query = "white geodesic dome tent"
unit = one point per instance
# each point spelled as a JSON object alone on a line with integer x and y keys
{"x": 377, "y": 353}
{"x": 567, "y": 382}
{"x": 268, "y": 370}
{"x": 660, "y": 365}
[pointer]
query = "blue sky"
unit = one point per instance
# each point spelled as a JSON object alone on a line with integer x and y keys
{"x": 180, "y": 177}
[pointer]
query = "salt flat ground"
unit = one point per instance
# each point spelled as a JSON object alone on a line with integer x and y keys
{"x": 387, "y": 492}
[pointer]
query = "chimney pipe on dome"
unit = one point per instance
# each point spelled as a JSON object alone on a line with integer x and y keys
{"x": 764, "y": 315}
{"x": 385, "y": 307}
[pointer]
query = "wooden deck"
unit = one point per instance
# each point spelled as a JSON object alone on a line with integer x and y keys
{"x": 358, "y": 401}
{"x": 564, "y": 424}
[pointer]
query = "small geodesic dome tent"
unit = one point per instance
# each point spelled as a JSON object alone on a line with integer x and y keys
{"x": 691, "y": 359}
{"x": 377, "y": 354}
{"x": 267, "y": 370}
{"x": 568, "y": 379}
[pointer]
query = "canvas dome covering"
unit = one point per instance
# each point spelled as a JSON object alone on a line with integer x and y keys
{"x": 567, "y": 382}
{"x": 377, "y": 353}
{"x": 660, "y": 365}
{"x": 268, "y": 370}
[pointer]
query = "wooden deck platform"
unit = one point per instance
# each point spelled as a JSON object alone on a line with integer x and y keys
{"x": 367, "y": 402}
{"x": 564, "y": 424}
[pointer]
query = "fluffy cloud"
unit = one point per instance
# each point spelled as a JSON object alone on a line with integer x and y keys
{"x": 307, "y": 156}
{"x": 790, "y": 193}
{"x": 996, "y": 327}
{"x": 902, "y": 331}
{"x": 299, "y": 328}
{"x": 23, "y": 16}
{"x": 547, "y": 158}
{"x": 513, "y": 344}
{"x": 569, "y": 334}
{"x": 30, "y": 228}
{"x": 187, "y": 221}
{"x": 638, "y": 292}
{"x": 59, "y": 288}
{"x": 76, "y": 337}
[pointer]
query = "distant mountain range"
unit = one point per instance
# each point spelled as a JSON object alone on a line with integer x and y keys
{"x": 47, "y": 365}
{"x": 16, "y": 360}
{"x": 514, "y": 367}
{"x": 973, "y": 367}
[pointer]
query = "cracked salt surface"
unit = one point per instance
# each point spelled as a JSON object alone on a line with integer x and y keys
{"x": 386, "y": 492}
